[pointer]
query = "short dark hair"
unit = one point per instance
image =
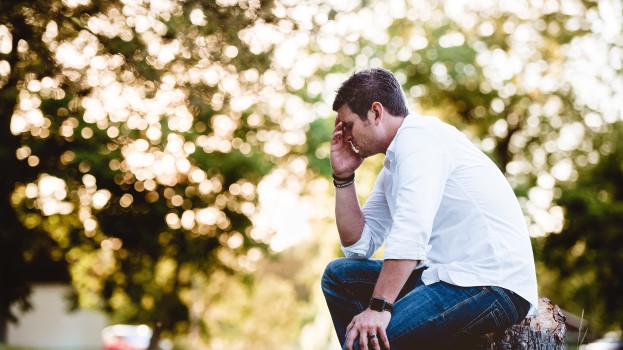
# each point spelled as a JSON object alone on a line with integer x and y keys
{"x": 368, "y": 86}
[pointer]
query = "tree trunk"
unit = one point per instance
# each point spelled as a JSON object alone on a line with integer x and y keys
{"x": 546, "y": 331}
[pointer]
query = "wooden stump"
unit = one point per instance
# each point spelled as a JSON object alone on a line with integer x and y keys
{"x": 546, "y": 331}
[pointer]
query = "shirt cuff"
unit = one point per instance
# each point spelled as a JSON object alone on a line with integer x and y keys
{"x": 405, "y": 249}
{"x": 361, "y": 249}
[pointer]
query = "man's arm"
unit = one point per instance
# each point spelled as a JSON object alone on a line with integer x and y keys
{"x": 344, "y": 162}
{"x": 348, "y": 215}
{"x": 394, "y": 275}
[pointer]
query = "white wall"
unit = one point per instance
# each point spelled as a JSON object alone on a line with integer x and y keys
{"x": 50, "y": 325}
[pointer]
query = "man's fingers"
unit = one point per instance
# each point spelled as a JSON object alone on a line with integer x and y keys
{"x": 363, "y": 340}
{"x": 366, "y": 339}
{"x": 337, "y": 134}
{"x": 350, "y": 338}
{"x": 339, "y": 130}
{"x": 349, "y": 327}
{"x": 375, "y": 343}
{"x": 383, "y": 339}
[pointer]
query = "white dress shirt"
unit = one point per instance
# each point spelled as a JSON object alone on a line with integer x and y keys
{"x": 441, "y": 200}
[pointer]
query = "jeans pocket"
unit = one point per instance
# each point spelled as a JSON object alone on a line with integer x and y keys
{"x": 488, "y": 321}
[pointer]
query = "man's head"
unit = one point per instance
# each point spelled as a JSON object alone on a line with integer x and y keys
{"x": 365, "y": 87}
{"x": 370, "y": 108}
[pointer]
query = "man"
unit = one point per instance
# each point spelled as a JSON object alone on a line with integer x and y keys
{"x": 458, "y": 261}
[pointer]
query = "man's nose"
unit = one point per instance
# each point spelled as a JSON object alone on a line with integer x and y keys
{"x": 347, "y": 135}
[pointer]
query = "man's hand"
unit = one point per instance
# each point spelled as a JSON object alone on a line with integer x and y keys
{"x": 369, "y": 326}
{"x": 344, "y": 160}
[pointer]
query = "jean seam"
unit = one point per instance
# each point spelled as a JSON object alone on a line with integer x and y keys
{"x": 357, "y": 281}
{"x": 444, "y": 314}
{"x": 440, "y": 316}
{"x": 462, "y": 302}
{"x": 510, "y": 302}
{"x": 493, "y": 309}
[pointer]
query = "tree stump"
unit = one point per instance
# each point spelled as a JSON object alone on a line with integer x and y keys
{"x": 546, "y": 331}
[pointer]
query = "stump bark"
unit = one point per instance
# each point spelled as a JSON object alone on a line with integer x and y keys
{"x": 546, "y": 331}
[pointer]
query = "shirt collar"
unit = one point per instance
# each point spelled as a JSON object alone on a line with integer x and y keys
{"x": 390, "y": 154}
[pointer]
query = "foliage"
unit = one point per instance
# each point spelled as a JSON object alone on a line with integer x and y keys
{"x": 513, "y": 77}
{"x": 523, "y": 82}
{"x": 582, "y": 264}
{"x": 135, "y": 134}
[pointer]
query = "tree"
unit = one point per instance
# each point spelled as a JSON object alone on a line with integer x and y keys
{"x": 536, "y": 87}
{"x": 134, "y": 136}
{"x": 135, "y": 133}
{"x": 17, "y": 247}
{"x": 516, "y": 79}
{"x": 582, "y": 264}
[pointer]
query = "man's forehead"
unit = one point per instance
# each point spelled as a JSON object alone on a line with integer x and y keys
{"x": 344, "y": 113}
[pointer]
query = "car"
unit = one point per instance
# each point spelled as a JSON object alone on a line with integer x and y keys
{"x": 126, "y": 337}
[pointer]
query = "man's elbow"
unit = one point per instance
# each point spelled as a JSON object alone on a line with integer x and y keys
{"x": 350, "y": 235}
{"x": 348, "y": 242}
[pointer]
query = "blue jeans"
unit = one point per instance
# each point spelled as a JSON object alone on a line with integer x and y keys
{"x": 437, "y": 316}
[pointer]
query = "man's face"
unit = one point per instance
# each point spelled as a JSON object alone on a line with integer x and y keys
{"x": 360, "y": 133}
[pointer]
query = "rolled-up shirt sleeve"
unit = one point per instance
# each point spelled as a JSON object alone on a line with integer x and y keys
{"x": 377, "y": 221}
{"x": 363, "y": 249}
{"x": 421, "y": 170}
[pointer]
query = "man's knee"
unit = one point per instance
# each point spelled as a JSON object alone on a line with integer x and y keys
{"x": 330, "y": 272}
{"x": 334, "y": 272}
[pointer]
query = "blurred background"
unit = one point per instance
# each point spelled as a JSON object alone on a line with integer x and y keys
{"x": 165, "y": 162}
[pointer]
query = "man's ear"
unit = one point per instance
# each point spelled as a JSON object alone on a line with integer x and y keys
{"x": 377, "y": 109}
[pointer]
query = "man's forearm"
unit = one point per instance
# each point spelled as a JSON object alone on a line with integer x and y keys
{"x": 348, "y": 215}
{"x": 394, "y": 274}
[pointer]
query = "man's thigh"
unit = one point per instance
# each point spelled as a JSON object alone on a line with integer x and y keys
{"x": 437, "y": 315}
{"x": 359, "y": 277}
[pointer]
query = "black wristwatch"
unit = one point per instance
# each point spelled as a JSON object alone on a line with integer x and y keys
{"x": 379, "y": 304}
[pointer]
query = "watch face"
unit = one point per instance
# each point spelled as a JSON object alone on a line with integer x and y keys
{"x": 378, "y": 304}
